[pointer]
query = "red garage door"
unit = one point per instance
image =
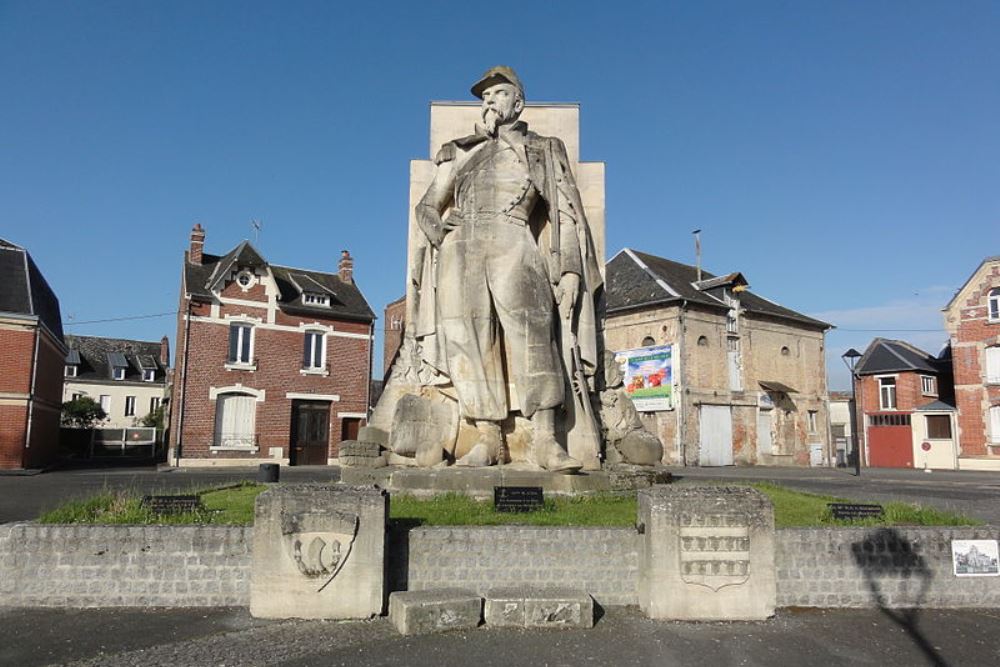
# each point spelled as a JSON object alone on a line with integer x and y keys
{"x": 890, "y": 441}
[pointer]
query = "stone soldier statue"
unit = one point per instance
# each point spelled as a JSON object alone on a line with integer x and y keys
{"x": 515, "y": 276}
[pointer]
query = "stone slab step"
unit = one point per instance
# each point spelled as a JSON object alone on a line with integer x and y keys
{"x": 434, "y": 610}
{"x": 539, "y": 607}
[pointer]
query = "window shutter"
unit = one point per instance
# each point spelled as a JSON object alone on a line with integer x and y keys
{"x": 307, "y": 351}
{"x": 995, "y": 424}
{"x": 234, "y": 337}
{"x": 993, "y": 364}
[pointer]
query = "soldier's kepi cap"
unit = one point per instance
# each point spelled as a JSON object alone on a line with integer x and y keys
{"x": 495, "y": 75}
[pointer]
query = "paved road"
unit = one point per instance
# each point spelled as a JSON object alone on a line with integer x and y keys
{"x": 24, "y": 497}
{"x": 973, "y": 493}
{"x": 216, "y": 637}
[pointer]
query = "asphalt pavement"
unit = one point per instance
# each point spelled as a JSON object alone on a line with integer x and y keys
{"x": 622, "y": 636}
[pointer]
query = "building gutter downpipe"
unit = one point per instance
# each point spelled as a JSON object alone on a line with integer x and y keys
{"x": 184, "y": 368}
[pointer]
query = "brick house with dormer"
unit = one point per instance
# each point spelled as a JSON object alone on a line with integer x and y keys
{"x": 972, "y": 319}
{"x": 273, "y": 362}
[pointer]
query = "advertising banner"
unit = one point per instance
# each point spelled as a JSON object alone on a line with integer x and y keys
{"x": 649, "y": 376}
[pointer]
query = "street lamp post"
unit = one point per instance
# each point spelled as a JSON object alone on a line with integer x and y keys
{"x": 851, "y": 361}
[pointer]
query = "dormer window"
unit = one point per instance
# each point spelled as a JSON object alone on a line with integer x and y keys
{"x": 147, "y": 364}
{"x": 244, "y": 278}
{"x": 118, "y": 365}
{"x": 994, "y": 305}
{"x": 315, "y": 299}
{"x": 148, "y": 375}
{"x": 72, "y": 367}
{"x": 70, "y": 370}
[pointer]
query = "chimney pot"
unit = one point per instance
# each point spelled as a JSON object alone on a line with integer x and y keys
{"x": 165, "y": 352}
{"x": 197, "y": 249}
{"x": 346, "y": 267}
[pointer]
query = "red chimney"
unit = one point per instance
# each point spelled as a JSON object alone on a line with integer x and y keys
{"x": 165, "y": 352}
{"x": 197, "y": 244}
{"x": 346, "y": 267}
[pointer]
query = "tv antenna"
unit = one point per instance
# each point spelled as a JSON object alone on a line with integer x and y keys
{"x": 256, "y": 226}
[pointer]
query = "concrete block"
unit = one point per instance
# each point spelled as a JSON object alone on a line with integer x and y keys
{"x": 319, "y": 552}
{"x": 435, "y": 610}
{"x": 708, "y": 553}
{"x": 539, "y": 607}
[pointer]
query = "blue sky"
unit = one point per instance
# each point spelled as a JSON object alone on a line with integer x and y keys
{"x": 842, "y": 155}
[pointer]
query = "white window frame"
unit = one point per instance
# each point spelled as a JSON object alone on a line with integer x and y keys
{"x": 130, "y": 406}
{"x": 812, "y": 420}
{"x": 928, "y": 385}
{"x": 76, "y": 396}
{"x": 154, "y": 403}
{"x": 105, "y": 402}
{"x": 992, "y": 364}
{"x": 881, "y": 395}
{"x": 246, "y": 328}
{"x": 149, "y": 375}
{"x": 993, "y": 305}
{"x": 315, "y": 299}
{"x": 118, "y": 373}
{"x": 70, "y": 371}
{"x": 314, "y": 365}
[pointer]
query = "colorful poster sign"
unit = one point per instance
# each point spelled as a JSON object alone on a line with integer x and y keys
{"x": 649, "y": 377}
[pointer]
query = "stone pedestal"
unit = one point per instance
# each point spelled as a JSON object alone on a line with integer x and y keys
{"x": 319, "y": 552}
{"x": 421, "y": 612}
{"x": 708, "y": 553}
{"x": 539, "y": 607}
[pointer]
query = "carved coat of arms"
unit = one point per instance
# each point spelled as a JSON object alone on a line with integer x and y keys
{"x": 319, "y": 544}
{"x": 714, "y": 550}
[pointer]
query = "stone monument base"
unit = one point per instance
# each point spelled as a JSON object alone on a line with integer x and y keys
{"x": 480, "y": 482}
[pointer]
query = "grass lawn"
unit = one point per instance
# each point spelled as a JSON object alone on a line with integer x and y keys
{"x": 234, "y": 505}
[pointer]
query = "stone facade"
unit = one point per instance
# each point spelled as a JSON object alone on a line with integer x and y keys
{"x": 769, "y": 347}
{"x": 972, "y": 319}
{"x": 124, "y": 566}
{"x": 281, "y": 308}
{"x": 601, "y": 561}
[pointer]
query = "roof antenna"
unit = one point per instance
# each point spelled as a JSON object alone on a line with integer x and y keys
{"x": 697, "y": 251}
{"x": 256, "y": 225}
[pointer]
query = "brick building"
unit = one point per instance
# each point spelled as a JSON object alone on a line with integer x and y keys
{"x": 272, "y": 363}
{"x": 972, "y": 319}
{"x": 747, "y": 377}
{"x": 395, "y": 323}
{"x": 906, "y": 405}
{"x": 31, "y": 362}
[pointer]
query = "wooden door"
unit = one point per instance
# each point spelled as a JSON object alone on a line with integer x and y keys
{"x": 890, "y": 441}
{"x": 310, "y": 433}
{"x": 716, "y": 436}
{"x": 764, "y": 425}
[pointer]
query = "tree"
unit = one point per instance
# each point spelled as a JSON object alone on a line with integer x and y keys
{"x": 82, "y": 412}
{"x": 154, "y": 419}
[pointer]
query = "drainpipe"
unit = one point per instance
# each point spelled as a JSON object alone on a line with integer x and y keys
{"x": 679, "y": 380}
{"x": 183, "y": 401}
{"x": 31, "y": 392}
{"x": 368, "y": 386}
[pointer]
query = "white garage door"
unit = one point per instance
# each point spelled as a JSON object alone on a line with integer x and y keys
{"x": 716, "y": 427}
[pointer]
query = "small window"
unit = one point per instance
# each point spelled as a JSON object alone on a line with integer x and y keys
{"x": 702, "y": 341}
{"x": 314, "y": 299}
{"x": 938, "y": 427}
{"x": 313, "y": 350}
{"x": 105, "y": 402}
{"x": 240, "y": 337}
{"x": 811, "y": 415}
{"x": 648, "y": 341}
{"x": 119, "y": 373}
{"x": 148, "y": 374}
{"x": 887, "y": 393}
{"x": 994, "y": 305}
{"x": 995, "y": 425}
{"x": 928, "y": 385}
{"x": 70, "y": 371}
{"x": 785, "y": 351}
{"x": 244, "y": 279}
{"x": 130, "y": 406}
{"x": 154, "y": 403}
{"x": 77, "y": 397}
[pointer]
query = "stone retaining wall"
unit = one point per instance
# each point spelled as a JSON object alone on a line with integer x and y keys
{"x": 192, "y": 566}
{"x": 602, "y": 561}
{"x": 868, "y": 567}
{"x": 124, "y": 566}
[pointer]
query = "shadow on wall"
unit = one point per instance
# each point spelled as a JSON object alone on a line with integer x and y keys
{"x": 898, "y": 578}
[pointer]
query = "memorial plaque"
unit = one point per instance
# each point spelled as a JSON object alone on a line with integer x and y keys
{"x": 714, "y": 550}
{"x": 172, "y": 504}
{"x": 518, "y": 498}
{"x": 850, "y": 511}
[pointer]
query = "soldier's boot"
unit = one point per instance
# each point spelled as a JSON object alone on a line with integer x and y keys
{"x": 545, "y": 451}
{"x": 486, "y": 451}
